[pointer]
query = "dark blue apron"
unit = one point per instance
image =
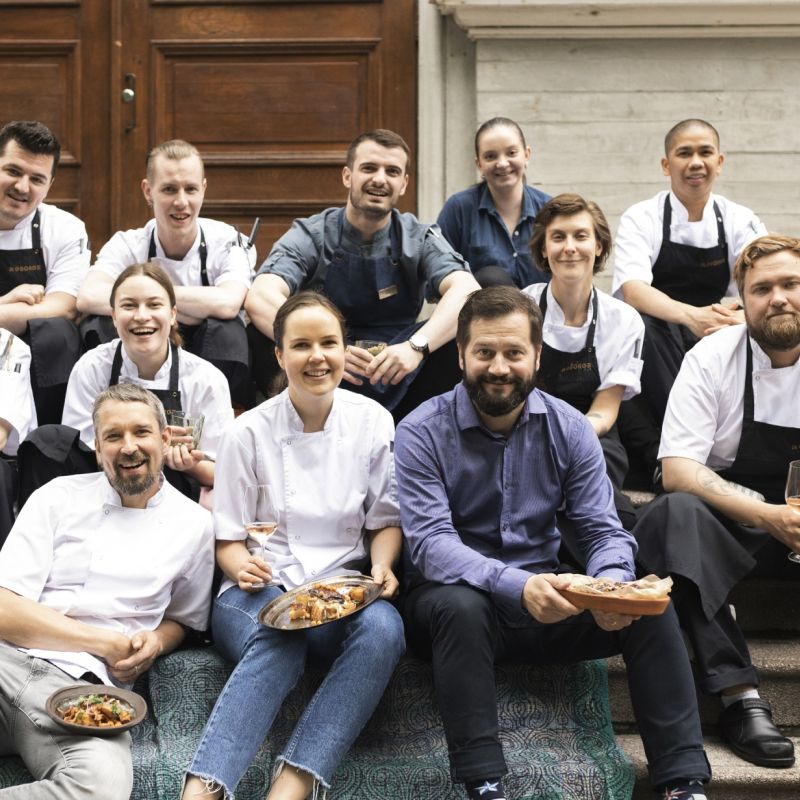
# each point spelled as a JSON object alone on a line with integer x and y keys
{"x": 377, "y": 300}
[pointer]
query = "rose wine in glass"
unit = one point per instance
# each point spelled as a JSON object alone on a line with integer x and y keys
{"x": 260, "y": 517}
{"x": 793, "y": 496}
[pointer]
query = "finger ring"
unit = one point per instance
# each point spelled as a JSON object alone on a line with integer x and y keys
{"x": 136, "y": 668}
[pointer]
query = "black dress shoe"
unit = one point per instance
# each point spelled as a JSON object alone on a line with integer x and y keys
{"x": 749, "y": 731}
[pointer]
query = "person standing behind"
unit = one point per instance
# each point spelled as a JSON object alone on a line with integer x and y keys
{"x": 209, "y": 265}
{"x": 591, "y": 342}
{"x": 491, "y": 223}
{"x": 377, "y": 265}
{"x": 44, "y": 257}
{"x": 674, "y": 264}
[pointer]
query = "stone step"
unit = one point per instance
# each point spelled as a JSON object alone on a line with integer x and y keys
{"x": 778, "y": 665}
{"x": 767, "y": 605}
{"x": 733, "y": 779}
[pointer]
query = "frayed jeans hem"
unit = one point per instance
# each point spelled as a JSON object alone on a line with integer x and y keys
{"x": 211, "y": 785}
{"x": 319, "y": 781}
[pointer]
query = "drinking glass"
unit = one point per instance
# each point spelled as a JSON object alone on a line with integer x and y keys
{"x": 182, "y": 426}
{"x": 260, "y": 517}
{"x": 372, "y": 346}
{"x": 793, "y": 496}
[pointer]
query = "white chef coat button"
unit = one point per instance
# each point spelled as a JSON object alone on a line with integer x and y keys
{"x": 515, "y": 254}
{"x": 313, "y": 572}
{"x": 106, "y": 511}
{"x": 516, "y": 233}
{"x": 297, "y": 538}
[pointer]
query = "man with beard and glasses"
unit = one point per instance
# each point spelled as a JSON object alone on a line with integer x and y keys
{"x": 482, "y": 472}
{"x": 377, "y": 265}
{"x": 730, "y": 431}
{"x": 100, "y": 575}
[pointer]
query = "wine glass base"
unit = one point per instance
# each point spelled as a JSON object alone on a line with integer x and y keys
{"x": 794, "y": 557}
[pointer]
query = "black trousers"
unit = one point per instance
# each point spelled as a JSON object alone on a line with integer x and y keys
{"x": 8, "y": 494}
{"x": 707, "y": 554}
{"x": 462, "y": 631}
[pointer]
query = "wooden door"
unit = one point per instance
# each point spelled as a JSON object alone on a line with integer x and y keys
{"x": 270, "y": 92}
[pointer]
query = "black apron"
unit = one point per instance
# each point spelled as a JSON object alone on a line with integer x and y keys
{"x": 171, "y": 397}
{"x": 55, "y": 342}
{"x": 377, "y": 301}
{"x": 701, "y": 544}
{"x": 698, "y": 276}
{"x": 572, "y": 377}
{"x": 26, "y": 265}
{"x": 202, "y": 249}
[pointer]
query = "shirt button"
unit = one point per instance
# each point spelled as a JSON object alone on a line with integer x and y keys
{"x": 516, "y": 233}
{"x": 515, "y": 255}
{"x": 106, "y": 512}
{"x": 313, "y": 572}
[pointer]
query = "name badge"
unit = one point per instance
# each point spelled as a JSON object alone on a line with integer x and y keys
{"x": 389, "y": 291}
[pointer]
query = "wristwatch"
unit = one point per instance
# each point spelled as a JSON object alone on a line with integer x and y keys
{"x": 419, "y": 343}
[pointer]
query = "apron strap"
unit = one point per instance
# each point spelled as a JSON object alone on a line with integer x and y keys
{"x": 721, "y": 240}
{"x": 116, "y": 366}
{"x": 174, "y": 370}
{"x": 36, "y": 234}
{"x": 749, "y": 401}
{"x": 202, "y": 249}
{"x": 589, "y": 345}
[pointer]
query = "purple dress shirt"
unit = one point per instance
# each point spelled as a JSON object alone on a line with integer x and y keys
{"x": 480, "y": 508}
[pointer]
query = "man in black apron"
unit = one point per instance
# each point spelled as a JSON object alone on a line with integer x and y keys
{"x": 207, "y": 260}
{"x": 44, "y": 254}
{"x": 378, "y": 266}
{"x": 725, "y": 516}
{"x": 674, "y": 255}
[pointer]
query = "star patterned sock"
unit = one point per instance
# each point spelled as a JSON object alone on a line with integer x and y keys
{"x": 692, "y": 790}
{"x": 491, "y": 789}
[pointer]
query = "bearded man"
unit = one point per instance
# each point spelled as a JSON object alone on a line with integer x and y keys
{"x": 730, "y": 431}
{"x": 482, "y": 472}
{"x": 100, "y": 575}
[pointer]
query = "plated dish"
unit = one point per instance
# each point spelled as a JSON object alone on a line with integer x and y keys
{"x": 96, "y": 710}
{"x": 648, "y": 596}
{"x": 320, "y": 602}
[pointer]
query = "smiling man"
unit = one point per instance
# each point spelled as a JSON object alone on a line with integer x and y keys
{"x": 206, "y": 260}
{"x": 100, "y": 575}
{"x": 674, "y": 264}
{"x": 481, "y": 472}
{"x": 378, "y": 266}
{"x": 44, "y": 256}
{"x": 730, "y": 431}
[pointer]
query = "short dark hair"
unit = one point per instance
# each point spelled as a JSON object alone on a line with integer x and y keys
{"x": 497, "y": 122}
{"x": 758, "y": 248}
{"x": 567, "y": 205}
{"x": 494, "y": 302}
{"x": 676, "y": 130}
{"x": 129, "y": 393}
{"x": 151, "y": 269}
{"x": 32, "y": 136}
{"x": 383, "y": 137}
{"x": 304, "y": 300}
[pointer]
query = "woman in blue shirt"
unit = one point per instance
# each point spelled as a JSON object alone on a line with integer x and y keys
{"x": 491, "y": 223}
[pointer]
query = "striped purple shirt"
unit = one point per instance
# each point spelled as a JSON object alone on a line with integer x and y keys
{"x": 480, "y": 508}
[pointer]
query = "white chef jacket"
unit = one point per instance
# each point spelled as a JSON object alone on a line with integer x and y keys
{"x": 204, "y": 390}
{"x": 226, "y": 260}
{"x": 16, "y": 398}
{"x": 704, "y": 412}
{"x": 65, "y": 247}
{"x": 639, "y": 236}
{"x": 333, "y": 485}
{"x": 76, "y": 549}
{"x": 618, "y": 337}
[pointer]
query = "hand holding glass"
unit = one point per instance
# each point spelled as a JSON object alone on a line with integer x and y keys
{"x": 260, "y": 517}
{"x": 793, "y": 496}
{"x": 185, "y": 429}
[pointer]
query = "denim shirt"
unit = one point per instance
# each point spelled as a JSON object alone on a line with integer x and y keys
{"x": 472, "y": 224}
{"x": 480, "y": 508}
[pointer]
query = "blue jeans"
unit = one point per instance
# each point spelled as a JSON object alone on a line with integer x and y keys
{"x": 363, "y": 648}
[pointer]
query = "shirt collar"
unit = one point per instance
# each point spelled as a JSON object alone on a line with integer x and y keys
{"x": 111, "y": 497}
{"x": 467, "y": 415}
{"x": 129, "y": 368}
{"x": 26, "y": 221}
{"x": 160, "y": 250}
{"x": 555, "y": 314}
{"x": 486, "y": 203}
{"x": 679, "y": 212}
{"x": 295, "y": 423}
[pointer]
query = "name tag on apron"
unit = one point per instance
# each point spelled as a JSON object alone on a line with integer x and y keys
{"x": 389, "y": 291}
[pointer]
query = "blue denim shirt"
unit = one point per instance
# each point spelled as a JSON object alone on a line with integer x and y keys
{"x": 472, "y": 224}
{"x": 480, "y": 508}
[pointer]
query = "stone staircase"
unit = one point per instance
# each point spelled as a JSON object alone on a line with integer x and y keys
{"x": 769, "y": 612}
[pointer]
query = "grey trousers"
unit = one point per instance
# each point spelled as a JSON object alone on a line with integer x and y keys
{"x": 65, "y": 767}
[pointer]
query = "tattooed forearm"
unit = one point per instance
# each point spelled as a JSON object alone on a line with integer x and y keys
{"x": 714, "y": 484}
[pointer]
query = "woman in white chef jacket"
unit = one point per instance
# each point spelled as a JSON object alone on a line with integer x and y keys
{"x": 591, "y": 342}
{"x": 327, "y": 454}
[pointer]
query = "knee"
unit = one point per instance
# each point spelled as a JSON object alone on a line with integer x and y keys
{"x": 114, "y": 781}
{"x": 461, "y": 610}
{"x": 385, "y": 626}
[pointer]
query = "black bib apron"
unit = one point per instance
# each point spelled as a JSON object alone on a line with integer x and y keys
{"x": 170, "y": 397}
{"x": 25, "y": 265}
{"x": 376, "y": 299}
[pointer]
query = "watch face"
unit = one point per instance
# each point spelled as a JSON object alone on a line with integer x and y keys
{"x": 419, "y": 342}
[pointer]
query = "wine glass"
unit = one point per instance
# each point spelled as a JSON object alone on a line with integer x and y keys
{"x": 260, "y": 516}
{"x": 793, "y": 496}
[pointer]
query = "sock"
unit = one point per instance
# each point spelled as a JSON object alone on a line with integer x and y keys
{"x": 486, "y": 789}
{"x": 690, "y": 790}
{"x": 730, "y": 699}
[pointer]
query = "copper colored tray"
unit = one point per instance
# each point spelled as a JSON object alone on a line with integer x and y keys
{"x": 635, "y": 607}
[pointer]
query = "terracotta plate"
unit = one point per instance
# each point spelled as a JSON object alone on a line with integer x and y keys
{"x": 275, "y": 614}
{"x": 645, "y": 607}
{"x": 59, "y": 702}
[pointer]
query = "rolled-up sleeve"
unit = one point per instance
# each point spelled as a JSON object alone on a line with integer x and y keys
{"x": 439, "y": 259}
{"x": 381, "y": 503}
{"x": 295, "y": 255}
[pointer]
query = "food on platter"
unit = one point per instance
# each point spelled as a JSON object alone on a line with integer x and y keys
{"x": 322, "y": 602}
{"x": 646, "y": 596}
{"x": 96, "y": 711}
